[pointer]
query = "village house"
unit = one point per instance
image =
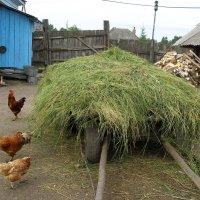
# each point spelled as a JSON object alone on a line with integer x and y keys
{"x": 122, "y": 34}
{"x": 191, "y": 40}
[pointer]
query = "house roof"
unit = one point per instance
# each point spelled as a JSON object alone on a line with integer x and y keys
{"x": 190, "y": 39}
{"x": 119, "y": 33}
{"x": 13, "y": 3}
{"x": 19, "y": 2}
{"x": 30, "y": 16}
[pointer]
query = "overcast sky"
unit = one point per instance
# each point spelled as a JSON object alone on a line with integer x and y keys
{"x": 89, "y": 15}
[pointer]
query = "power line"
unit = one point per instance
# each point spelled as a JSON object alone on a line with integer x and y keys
{"x": 135, "y": 4}
{"x": 181, "y": 7}
{"x": 147, "y": 5}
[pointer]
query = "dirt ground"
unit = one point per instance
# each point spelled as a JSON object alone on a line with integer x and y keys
{"x": 54, "y": 174}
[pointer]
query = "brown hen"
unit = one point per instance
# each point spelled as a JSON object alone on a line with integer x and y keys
{"x": 14, "y": 170}
{"x": 13, "y": 143}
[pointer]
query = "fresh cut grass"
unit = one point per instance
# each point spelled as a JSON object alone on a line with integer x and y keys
{"x": 119, "y": 93}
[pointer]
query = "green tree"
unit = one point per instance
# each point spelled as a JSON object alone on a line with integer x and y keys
{"x": 73, "y": 28}
{"x": 51, "y": 28}
{"x": 164, "y": 40}
{"x": 63, "y": 29}
{"x": 175, "y": 39}
{"x": 143, "y": 36}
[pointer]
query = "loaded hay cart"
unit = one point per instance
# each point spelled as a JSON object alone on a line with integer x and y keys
{"x": 118, "y": 97}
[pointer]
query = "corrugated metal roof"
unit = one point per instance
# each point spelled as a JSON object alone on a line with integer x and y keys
{"x": 190, "y": 39}
{"x": 19, "y": 2}
{"x": 13, "y": 3}
{"x": 119, "y": 33}
{"x": 30, "y": 16}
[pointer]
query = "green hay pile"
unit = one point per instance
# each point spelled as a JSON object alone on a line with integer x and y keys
{"x": 121, "y": 94}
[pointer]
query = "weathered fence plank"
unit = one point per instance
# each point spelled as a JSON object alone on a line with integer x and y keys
{"x": 58, "y": 46}
{"x": 143, "y": 49}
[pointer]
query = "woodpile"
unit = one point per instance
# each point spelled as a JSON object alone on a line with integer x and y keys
{"x": 186, "y": 66}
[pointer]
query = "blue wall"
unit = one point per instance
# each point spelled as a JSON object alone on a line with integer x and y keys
{"x": 16, "y": 35}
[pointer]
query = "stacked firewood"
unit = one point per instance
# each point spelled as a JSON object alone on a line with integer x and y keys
{"x": 186, "y": 65}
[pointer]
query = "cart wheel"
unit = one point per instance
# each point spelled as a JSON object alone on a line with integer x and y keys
{"x": 92, "y": 145}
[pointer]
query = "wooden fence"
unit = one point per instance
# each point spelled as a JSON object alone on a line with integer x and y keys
{"x": 58, "y": 46}
{"x": 143, "y": 49}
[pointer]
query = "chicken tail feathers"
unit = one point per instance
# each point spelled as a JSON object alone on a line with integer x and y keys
{"x": 22, "y": 100}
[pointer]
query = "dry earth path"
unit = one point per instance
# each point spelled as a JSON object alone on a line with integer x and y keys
{"x": 53, "y": 175}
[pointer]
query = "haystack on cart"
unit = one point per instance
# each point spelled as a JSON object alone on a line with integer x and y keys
{"x": 123, "y": 91}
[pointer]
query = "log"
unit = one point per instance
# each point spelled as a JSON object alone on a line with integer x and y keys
{"x": 102, "y": 171}
{"x": 186, "y": 66}
{"x": 196, "y": 57}
{"x": 180, "y": 161}
{"x": 193, "y": 62}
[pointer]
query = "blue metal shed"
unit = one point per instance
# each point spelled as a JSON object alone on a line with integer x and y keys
{"x": 16, "y": 29}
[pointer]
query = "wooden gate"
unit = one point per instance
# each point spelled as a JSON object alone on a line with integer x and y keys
{"x": 58, "y": 46}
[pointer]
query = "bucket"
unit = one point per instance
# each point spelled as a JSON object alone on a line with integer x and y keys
{"x": 32, "y": 79}
{"x": 30, "y": 71}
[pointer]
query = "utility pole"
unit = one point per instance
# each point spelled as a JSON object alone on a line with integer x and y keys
{"x": 152, "y": 53}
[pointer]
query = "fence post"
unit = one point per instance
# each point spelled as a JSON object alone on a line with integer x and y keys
{"x": 106, "y": 25}
{"x": 46, "y": 41}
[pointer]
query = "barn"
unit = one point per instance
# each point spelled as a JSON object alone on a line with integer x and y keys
{"x": 191, "y": 40}
{"x": 16, "y": 29}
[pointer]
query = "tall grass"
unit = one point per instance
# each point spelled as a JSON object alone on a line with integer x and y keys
{"x": 121, "y": 94}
